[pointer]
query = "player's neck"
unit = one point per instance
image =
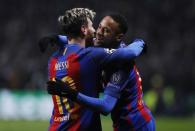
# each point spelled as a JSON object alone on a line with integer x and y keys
{"x": 78, "y": 40}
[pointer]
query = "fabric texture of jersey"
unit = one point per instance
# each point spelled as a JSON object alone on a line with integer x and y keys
{"x": 130, "y": 112}
{"x": 83, "y": 67}
{"x": 74, "y": 64}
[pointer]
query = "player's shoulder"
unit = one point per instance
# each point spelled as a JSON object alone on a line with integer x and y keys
{"x": 89, "y": 50}
{"x": 73, "y": 47}
{"x": 55, "y": 55}
{"x": 100, "y": 50}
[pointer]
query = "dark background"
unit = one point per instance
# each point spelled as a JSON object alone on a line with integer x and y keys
{"x": 167, "y": 26}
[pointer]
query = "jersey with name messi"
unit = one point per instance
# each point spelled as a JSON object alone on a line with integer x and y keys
{"x": 82, "y": 67}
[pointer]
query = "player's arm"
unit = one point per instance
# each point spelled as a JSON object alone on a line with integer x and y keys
{"x": 51, "y": 40}
{"x": 105, "y": 56}
{"x": 111, "y": 94}
{"x": 104, "y": 104}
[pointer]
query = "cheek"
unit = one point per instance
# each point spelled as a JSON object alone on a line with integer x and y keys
{"x": 111, "y": 36}
{"x": 91, "y": 31}
{"x": 107, "y": 36}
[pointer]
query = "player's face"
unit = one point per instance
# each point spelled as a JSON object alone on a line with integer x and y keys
{"x": 107, "y": 32}
{"x": 89, "y": 33}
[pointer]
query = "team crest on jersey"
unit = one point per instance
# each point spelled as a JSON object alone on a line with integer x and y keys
{"x": 109, "y": 51}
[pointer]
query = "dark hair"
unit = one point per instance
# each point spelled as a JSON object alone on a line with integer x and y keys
{"x": 73, "y": 19}
{"x": 122, "y": 22}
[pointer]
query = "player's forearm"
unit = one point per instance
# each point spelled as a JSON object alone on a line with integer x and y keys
{"x": 104, "y": 105}
{"x": 131, "y": 51}
{"x": 136, "y": 47}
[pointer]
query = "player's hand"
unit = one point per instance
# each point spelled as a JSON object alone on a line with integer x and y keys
{"x": 144, "y": 45}
{"x": 61, "y": 88}
{"x": 52, "y": 40}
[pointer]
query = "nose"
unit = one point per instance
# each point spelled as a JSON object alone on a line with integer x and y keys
{"x": 99, "y": 31}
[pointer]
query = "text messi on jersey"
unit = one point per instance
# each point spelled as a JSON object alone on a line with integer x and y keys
{"x": 61, "y": 65}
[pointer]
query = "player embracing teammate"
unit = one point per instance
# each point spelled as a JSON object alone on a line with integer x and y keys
{"x": 75, "y": 76}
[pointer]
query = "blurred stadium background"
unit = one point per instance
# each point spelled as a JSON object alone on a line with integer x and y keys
{"x": 168, "y": 70}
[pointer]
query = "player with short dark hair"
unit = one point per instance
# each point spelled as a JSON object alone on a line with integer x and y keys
{"x": 120, "y": 30}
{"x": 81, "y": 67}
{"x": 123, "y": 93}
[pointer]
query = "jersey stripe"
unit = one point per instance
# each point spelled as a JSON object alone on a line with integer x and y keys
{"x": 130, "y": 122}
{"x": 52, "y": 75}
{"x": 74, "y": 70}
{"x": 140, "y": 105}
{"x": 74, "y": 73}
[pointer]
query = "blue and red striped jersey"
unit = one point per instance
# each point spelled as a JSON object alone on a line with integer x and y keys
{"x": 82, "y": 67}
{"x": 130, "y": 112}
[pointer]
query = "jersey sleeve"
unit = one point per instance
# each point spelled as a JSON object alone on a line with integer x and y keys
{"x": 111, "y": 94}
{"x": 63, "y": 40}
{"x": 103, "y": 105}
{"x": 104, "y": 56}
{"x": 116, "y": 84}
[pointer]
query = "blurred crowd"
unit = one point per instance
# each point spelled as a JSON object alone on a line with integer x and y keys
{"x": 167, "y": 26}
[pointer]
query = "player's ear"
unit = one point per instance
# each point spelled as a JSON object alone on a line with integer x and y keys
{"x": 119, "y": 37}
{"x": 83, "y": 29}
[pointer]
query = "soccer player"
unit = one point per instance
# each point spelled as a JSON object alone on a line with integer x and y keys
{"x": 123, "y": 93}
{"x": 81, "y": 67}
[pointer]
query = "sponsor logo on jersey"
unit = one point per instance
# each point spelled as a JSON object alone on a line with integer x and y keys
{"x": 62, "y": 118}
{"x": 66, "y": 117}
